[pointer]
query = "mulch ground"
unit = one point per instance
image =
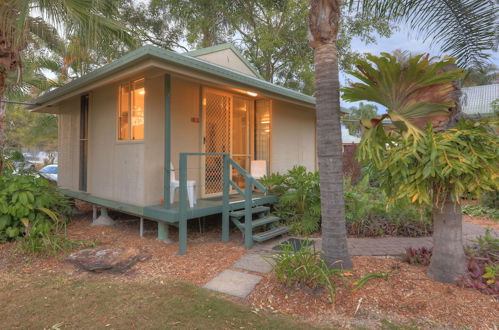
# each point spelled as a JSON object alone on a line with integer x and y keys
{"x": 206, "y": 254}
{"x": 407, "y": 296}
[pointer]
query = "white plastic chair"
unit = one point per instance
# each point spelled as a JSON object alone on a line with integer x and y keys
{"x": 174, "y": 185}
{"x": 258, "y": 168}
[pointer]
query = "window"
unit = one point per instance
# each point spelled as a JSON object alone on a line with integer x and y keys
{"x": 262, "y": 131}
{"x": 131, "y": 111}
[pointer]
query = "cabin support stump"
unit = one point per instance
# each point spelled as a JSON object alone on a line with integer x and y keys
{"x": 104, "y": 219}
{"x": 164, "y": 232}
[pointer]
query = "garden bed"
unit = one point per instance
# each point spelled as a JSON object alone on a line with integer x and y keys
{"x": 408, "y": 296}
{"x": 206, "y": 257}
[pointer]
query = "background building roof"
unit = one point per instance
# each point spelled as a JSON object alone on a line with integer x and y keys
{"x": 476, "y": 101}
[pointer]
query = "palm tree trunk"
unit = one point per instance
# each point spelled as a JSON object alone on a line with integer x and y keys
{"x": 3, "y": 107}
{"x": 334, "y": 236}
{"x": 324, "y": 19}
{"x": 448, "y": 260}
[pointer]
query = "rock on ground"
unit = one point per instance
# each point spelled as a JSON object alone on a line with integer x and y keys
{"x": 109, "y": 259}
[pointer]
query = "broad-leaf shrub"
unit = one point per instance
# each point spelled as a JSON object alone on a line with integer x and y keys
{"x": 366, "y": 210}
{"x": 368, "y": 213}
{"x": 429, "y": 168}
{"x": 29, "y": 206}
{"x": 482, "y": 261}
{"x": 299, "y": 198}
{"x": 483, "y": 265}
{"x": 481, "y": 210}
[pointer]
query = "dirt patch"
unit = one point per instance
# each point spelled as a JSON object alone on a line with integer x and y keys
{"x": 482, "y": 222}
{"x": 407, "y": 296}
{"x": 206, "y": 254}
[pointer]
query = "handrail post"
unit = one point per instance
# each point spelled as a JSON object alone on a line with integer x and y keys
{"x": 248, "y": 215}
{"x": 225, "y": 207}
{"x": 182, "y": 227}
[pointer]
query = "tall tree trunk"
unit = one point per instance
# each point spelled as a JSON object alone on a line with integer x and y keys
{"x": 448, "y": 260}
{"x": 324, "y": 19}
{"x": 3, "y": 107}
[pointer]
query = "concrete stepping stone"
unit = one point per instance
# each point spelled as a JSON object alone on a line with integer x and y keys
{"x": 253, "y": 263}
{"x": 233, "y": 283}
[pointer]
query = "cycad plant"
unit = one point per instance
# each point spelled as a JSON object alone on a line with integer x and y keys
{"x": 434, "y": 165}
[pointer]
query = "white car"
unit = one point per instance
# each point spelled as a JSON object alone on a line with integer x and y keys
{"x": 49, "y": 172}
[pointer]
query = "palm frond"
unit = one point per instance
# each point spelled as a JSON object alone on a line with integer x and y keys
{"x": 464, "y": 29}
{"x": 410, "y": 88}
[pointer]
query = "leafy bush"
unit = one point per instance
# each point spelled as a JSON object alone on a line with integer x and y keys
{"x": 30, "y": 207}
{"x": 419, "y": 256}
{"x": 491, "y": 199}
{"x": 482, "y": 260}
{"x": 366, "y": 210}
{"x": 368, "y": 213}
{"x": 299, "y": 198}
{"x": 483, "y": 265}
{"x": 481, "y": 210}
{"x": 303, "y": 268}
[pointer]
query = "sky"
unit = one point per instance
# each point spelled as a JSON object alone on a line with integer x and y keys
{"x": 404, "y": 39}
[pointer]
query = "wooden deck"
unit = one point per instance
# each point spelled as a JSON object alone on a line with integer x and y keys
{"x": 203, "y": 207}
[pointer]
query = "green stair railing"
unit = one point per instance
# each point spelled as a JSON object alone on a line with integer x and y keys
{"x": 249, "y": 183}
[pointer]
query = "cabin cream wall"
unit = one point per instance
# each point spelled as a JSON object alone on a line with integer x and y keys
{"x": 69, "y": 126}
{"x": 293, "y": 137}
{"x": 154, "y": 148}
{"x": 115, "y": 168}
{"x": 227, "y": 58}
{"x": 185, "y": 133}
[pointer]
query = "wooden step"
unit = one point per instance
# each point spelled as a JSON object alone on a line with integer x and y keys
{"x": 258, "y": 222}
{"x": 254, "y": 210}
{"x": 266, "y": 235}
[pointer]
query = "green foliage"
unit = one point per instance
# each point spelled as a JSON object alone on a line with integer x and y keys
{"x": 299, "y": 201}
{"x": 482, "y": 261}
{"x": 482, "y": 265}
{"x": 360, "y": 283}
{"x": 272, "y": 35}
{"x": 420, "y": 256}
{"x": 28, "y": 129}
{"x": 436, "y": 165}
{"x": 304, "y": 267}
{"x": 30, "y": 207}
{"x": 480, "y": 210}
{"x": 465, "y": 29}
{"x": 368, "y": 213}
{"x": 409, "y": 87}
{"x": 355, "y": 114}
{"x": 366, "y": 210}
{"x": 490, "y": 199}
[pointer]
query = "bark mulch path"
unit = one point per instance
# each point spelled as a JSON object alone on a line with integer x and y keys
{"x": 207, "y": 255}
{"x": 407, "y": 296}
{"x": 482, "y": 222}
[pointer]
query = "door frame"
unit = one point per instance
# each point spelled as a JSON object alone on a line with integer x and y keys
{"x": 250, "y": 132}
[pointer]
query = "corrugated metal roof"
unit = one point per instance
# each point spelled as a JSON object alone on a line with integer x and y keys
{"x": 148, "y": 52}
{"x": 477, "y": 100}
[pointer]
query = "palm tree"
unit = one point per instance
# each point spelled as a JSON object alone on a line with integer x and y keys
{"x": 324, "y": 21}
{"x": 465, "y": 29}
{"x": 91, "y": 22}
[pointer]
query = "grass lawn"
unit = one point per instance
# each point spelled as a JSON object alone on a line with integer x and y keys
{"x": 31, "y": 302}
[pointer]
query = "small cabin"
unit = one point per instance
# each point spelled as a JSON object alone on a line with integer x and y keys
{"x": 172, "y": 137}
